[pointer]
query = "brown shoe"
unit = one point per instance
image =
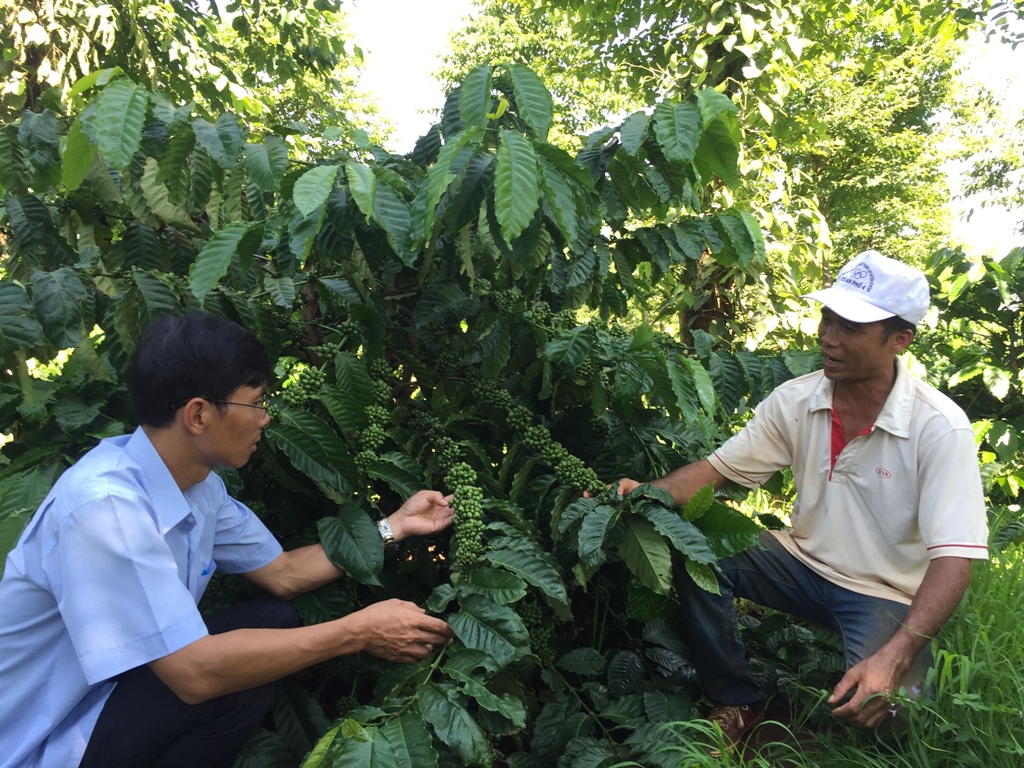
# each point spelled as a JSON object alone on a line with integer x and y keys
{"x": 734, "y": 721}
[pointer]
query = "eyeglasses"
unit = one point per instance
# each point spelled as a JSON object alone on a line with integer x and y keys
{"x": 263, "y": 405}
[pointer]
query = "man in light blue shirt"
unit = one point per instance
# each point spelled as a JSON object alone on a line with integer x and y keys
{"x": 105, "y": 659}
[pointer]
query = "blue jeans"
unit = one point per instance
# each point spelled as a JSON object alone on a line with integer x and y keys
{"x": 770, "y": 576}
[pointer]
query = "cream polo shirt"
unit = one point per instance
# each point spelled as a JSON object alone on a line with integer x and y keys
{"x": 904, "y": 493}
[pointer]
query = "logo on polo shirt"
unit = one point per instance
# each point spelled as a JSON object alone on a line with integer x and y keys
{"x": 885, "y": 474}
{"x": 861, "y": 278}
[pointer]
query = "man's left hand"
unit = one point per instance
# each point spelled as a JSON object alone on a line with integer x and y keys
{"x": 870, "y": 681}
{"x": 424, "y": 513}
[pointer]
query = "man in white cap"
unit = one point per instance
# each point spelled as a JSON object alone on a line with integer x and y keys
{"x": 888, "y": 515}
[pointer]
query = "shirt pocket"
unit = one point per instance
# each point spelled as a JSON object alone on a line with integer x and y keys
{"x": 203, "y": 579}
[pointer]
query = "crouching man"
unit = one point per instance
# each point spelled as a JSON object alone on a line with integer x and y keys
{"x": 888, "y": 515}
{"x": 105, "y": 659}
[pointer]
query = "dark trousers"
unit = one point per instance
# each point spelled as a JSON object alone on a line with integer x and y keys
{"x": 768, "y": 575}
{"x": 144, "y": 723}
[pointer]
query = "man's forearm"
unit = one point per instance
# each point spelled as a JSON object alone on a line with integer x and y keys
{"x": 684, "y": 482}
{"x": 217, "y": 665}
{"x": 940, "y": 592}
{"x": 296, "y": 572}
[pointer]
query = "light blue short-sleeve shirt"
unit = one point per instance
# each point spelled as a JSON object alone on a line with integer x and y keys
{"x": 107, "y": 577}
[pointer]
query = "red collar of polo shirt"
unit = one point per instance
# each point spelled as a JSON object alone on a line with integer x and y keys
{"x": 839, "y": 439}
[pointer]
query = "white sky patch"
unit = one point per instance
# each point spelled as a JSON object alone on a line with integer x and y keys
{"x": 990, "y": 231}
{"x": 402, "y": 41}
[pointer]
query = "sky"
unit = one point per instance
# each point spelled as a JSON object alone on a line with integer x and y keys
{"x": 404, "y": 39}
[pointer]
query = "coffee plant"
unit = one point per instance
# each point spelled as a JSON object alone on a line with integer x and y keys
{"x": 463, "y": 317}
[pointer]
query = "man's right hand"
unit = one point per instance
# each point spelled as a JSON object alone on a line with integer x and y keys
{"x": 399, "y": 631}
{"x": 625, "y": 486}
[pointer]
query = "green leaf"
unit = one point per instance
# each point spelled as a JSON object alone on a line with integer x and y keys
{"x": 666, "y": 707}
{"x": 120, "y": 116}
{"x": 453, "y": 724}
{"x": 281, "y": 290}
{"x": 570, "y": 348}
{"x": 96, "y": 78}
{"x": 25, "y": 491}
{"x": 643, "y": 603}
{"x": 313, "y": 448}
{"x": 157, "y": 297}
{"x": 532, "y": 564}
{"x": 73, "y": 415}
{"x": 392, "y": 213}
{"x": 348, "y": 399}
{"x": 223, "y": 140}
{"x": 633, "y": 131}
{"x": 699, "y": 503}
{"x": 375, "y": 751}
{"x": 266, "y": 163}
{"x": 592, "y": 534}
{"x": 213, "y": 261}
{"x": 682, "y": 534}
{"x": 325, "y": 604}
{"x": 678, "y": 128}
{"x": 352, "y": 542}
{"x": 484, "y": 625}
{"x": 298, "y": 718}
{"x": 685, "y": 390}
{"x": 560, "y": 199}
{"x": 583, "y": 661}
{"x": 501, "y": 587}
{"x": 363, "y": 186}
{"x": 37, "y": 133}
{"x": 729, "y": 531}
{"x": 265, "y": 749}
{"x": 646, "y": 554}
{"x": 411, "y": 741}
{"x": 14, "y": 171}
{"x": 157, "y": 197}
{"x": 11, "y": 527}
{"x": 703, "y": 576}
{"x": 57, "y": 298}
{"x": 533, "y": 102}
{"x": 400, "y": 472}
{"x": 719, "y": 151}
{"x": 475, "y": 97}
{"x": 315, "y": 759}
{"x": 625, "y": 673}
{"x": 516, "y": 185}
{"x": 313, "y": 187}
{"x": 702, "y": 380}
{"x": 18, "y": 329}
{"x": 653, "y": 491}
{"x": 439, "y": 179}
{"x": 469, "y": 683}
{"x": 714, "y": 105}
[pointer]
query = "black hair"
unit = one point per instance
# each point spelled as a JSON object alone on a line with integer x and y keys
{"x": 895, "y": 324}
{"x": 180, "y": 357}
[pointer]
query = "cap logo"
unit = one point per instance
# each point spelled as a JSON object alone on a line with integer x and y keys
{"x": 861, "y": 278}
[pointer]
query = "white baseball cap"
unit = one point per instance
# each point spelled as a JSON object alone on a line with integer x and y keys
{"x": 873, "y": 287}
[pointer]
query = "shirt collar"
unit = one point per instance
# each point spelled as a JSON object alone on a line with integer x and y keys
{"x": 168, "y": 501}
{"x": 895, "y": 415}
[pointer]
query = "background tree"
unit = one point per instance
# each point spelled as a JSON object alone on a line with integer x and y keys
{"x": 272, "y": 62}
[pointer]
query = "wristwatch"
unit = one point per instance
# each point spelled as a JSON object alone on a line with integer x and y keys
{"x": 388, "y": 535}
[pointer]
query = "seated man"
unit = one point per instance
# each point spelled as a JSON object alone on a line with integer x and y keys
{"x": 105, "y": 659}
{"x": 889, "y": 509}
